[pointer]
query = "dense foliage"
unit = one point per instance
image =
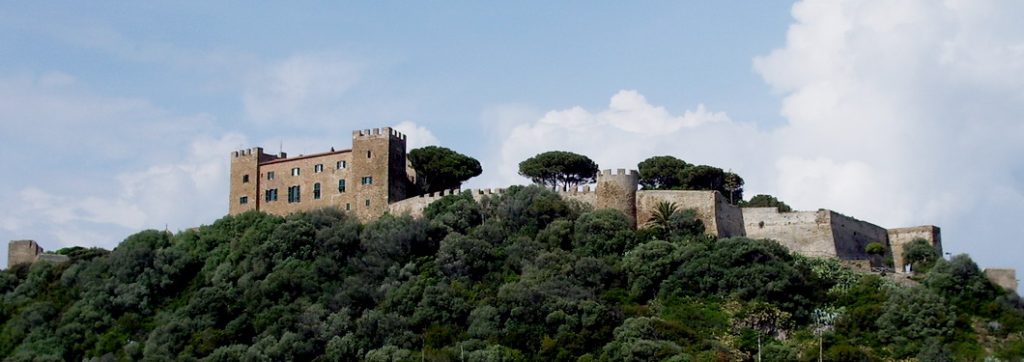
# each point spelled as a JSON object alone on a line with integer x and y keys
{"x": 670, "y": 173}
{"x": 559, "y": 168}
{"x": 517, "y": 277}
{"x": 762, "y": 200}
{"x": 440, "y": 168}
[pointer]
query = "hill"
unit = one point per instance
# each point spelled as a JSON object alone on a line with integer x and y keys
{"x": 520, "y": 276}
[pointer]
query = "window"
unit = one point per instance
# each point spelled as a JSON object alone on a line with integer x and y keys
{"x": 367, "y": 202}
{"x": 295, "y": 171}
{"x": 270, "y": 195}
{"x": 243, "y": 200}
{"x": 270, "y": 175}
{"x": 318, "y": 168}
{"x": 348, "y": 207}
{"x": 316, "y": 191}
{"x": 342, "y": 165}
{"x": 341, "y": 185}
{"x": 367, "y": 154}
{"x": 367, "y": 180}
{"x": 293, "y": 194}
{"x": 245, "y": 179}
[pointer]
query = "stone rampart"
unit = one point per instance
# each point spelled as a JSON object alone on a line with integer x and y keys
{"x": 851, "y": 237}
{"x": 806, "y": 232}
{"x": 900, "y": 237}
{"x": 22, "y": 252}
{"x": 1006, "y": 278}
{"x": 704, "y": 203}
{"x": 415, "y": 205}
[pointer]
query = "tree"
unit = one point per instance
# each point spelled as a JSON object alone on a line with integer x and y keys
{"x": 440, "y": 168}
{"x": 704, "y": 177}
{"x": 661, "y": 172}
{"x": 763, "y": 200}
{"x": 920, "y": 255}
{"x": 733, "y": 187}
{"x": 559, "y": 168}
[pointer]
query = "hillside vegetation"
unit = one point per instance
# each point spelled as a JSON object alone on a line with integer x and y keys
{"x": 518, "y": 277}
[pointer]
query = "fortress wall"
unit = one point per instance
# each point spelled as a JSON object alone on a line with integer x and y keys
{"x": 852, "y": 236}
{"x": 583, "y": 195}
{"x": 414, "y": 206}
{"x": 899, "y": 238}
{"x": 729, "y": 218}
{"x": 1006, "y": 278}
{"x": 703, "y": 202}
{"x": 22, "y": 252}
{"x": 806, "y": 232}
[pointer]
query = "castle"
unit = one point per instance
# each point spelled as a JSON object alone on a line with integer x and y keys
{"x": 374, "y": 178}
{"x": 362, "y": 180}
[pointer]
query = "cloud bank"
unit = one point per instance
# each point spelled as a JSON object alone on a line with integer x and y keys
{"x": 900, "y": 113}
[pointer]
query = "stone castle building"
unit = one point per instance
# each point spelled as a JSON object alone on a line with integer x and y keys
{"x": 28, "y": 252}
{"x": 373, "y": 178}
{"x": 362, "y": 180}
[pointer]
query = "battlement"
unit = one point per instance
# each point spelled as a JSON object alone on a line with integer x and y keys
{"x": 247, "y": 152}
{"x": 585, "y": 189}
{"x": 619, "y": 172}
{"x": 373, "y": 132}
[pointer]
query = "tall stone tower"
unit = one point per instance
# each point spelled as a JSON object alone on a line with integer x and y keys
{"x": 379, "y": 164}
{"x": 618, "y": 191}
{"x": 22, "y": 252}
{"x": 245, "y": 179}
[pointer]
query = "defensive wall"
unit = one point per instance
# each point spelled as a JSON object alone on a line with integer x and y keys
{"x": 821, "y": 233}
{"x": 720, "y": 218}
{"x": 1006, "y": 278}
{"x": 28, "y": 252}
{"x": 900, "y": 237}
{"x": 374, "y": 177}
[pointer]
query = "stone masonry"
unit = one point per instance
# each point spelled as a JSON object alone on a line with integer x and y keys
{"x": 28, "y": 252}
{"x": 373, "y": 178}
{"x": 363, "y": 180}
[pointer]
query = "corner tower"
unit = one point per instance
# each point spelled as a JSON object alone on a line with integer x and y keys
{"x": 618, "y": 191}
{"x": 245, "y": 176}
{"x": 379, "y": 171}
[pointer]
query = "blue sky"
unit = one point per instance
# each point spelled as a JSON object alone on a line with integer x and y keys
{"x": 117, "y": 117}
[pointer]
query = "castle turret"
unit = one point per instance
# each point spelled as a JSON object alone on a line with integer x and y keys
{"x": 379, "y": 171}
{"x": 22, "y": 252}
{"x": 618, "y": 191}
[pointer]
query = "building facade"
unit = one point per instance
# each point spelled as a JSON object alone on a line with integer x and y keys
{"x": 362, "y": 180}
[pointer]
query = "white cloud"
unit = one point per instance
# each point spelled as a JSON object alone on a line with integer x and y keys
{"x": 299, "y": 88}
{"x": 899, "y": 113}
{"x": 416, "y": 136}
{"x": 618, "y": 137}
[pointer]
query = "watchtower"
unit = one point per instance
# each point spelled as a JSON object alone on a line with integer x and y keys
{"x": 245, "y": 179}
{"x": 618, "y": 191}
{"x": 379, "y": 163}
{"x": 22, "y": 252}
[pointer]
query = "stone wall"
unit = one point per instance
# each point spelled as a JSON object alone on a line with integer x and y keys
{"x": 328, "y": 179}
{"x": 806, "y": 232}
{"x": 900, "y": 237}
{"x": 851, "y": 237}
{"x": 414, "y": 206}
{"x": 1006, "y": 278}
{"x": 702, "y": 202}
{"x": 22, "y": 252}
{"x": 728, "y": 218}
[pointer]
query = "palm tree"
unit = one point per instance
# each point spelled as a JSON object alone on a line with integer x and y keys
{"x": 664, "y": 215}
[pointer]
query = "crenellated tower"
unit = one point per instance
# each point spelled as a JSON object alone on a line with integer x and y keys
{"x": 379, "y": 170}
{"x": 618, "y": 191}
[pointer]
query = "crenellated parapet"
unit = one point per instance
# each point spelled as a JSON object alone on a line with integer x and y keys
{"x": 617, "y": 190}
{"x": 376, "y": 132}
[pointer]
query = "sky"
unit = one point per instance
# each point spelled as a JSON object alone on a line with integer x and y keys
{"x": 120, "y": 117}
